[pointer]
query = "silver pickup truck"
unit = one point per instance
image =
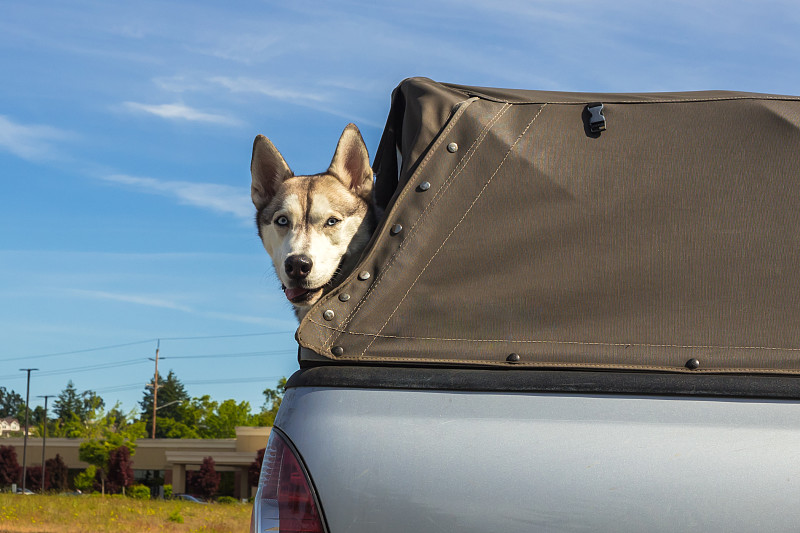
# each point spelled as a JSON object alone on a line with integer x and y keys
{"x": 581, "y": 313}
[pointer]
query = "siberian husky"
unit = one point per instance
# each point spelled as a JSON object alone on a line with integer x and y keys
{"x": 313, "y": 227}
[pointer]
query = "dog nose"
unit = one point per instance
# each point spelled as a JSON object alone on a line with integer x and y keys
{"x": 298, "y": 266}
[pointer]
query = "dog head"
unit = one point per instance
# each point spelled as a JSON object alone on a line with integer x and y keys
{"x": 313, "y": 227}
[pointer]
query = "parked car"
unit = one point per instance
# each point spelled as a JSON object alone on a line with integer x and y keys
{"x": 188, "y": 498}
{"x": 580, "y": 313}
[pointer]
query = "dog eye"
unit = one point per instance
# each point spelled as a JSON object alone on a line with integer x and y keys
{"x": 282, "y": 221}
{"x": 332, "y": 221}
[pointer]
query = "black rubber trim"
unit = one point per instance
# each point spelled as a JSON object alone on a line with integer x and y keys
{"x": 552, "y": 381}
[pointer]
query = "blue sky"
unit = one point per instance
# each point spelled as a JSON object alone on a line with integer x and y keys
{"x": 126, "y": 130}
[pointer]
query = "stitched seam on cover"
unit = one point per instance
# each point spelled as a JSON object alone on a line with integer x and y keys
{"x": 445, "y": 187}
{"x": 451, "y": 123}
{"x": 578, "y": 343}
{"x": 453, "y": 174}
{"x": 464, "y": 216}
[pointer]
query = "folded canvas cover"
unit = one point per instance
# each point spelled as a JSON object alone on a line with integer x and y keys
{"x": 519, "y": 232}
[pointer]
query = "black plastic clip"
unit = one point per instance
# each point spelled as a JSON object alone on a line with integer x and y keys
{"x": 597, "y": 121}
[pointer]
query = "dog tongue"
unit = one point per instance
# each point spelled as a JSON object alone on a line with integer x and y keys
{"x": 291, "y": 294}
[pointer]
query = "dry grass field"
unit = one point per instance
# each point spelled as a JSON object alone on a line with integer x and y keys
{"x": 90, "y": 514}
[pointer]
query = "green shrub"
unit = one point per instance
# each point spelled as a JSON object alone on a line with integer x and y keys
{"x": 139, "y": 492}
{"x": 168, "y": 491}
{"x": 227, "y": 499}
{"x": 175, "y": 516}
{"x": 85, "y": 480}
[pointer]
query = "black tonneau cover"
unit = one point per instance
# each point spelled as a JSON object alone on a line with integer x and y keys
{"x": 533, "y": 237}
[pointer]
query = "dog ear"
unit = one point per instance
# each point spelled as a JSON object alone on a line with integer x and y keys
{"x": 268, "y": 170}
{"x": 351, "y": 162}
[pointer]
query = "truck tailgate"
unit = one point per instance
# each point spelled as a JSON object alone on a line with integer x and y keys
{"x": 422, "y": 460}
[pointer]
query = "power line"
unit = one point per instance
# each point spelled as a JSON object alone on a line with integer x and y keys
{"x": 134, "y": 343}
{"x": 131, "y": 362}
{"x": 78, "y": 351}
{"x": 132, "y": 386}
{"x": 89, "y": 368}
{"x": 226, "y": 336}
{"x": 120, "y": 388}
{"x": 231, "y": 355}
{"x": 86, "y": 368}
{"x": 229, "y": 381}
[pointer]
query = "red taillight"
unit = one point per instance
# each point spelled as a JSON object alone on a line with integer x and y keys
{"x": 298, "y": 512}
{"x": 285, "y": 501}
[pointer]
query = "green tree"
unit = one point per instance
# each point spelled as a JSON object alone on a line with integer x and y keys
{"x": 71, "y": 428}
{"x": 170, "y": 391}
{"x": 222, "y": 422}
{"x": 12, "y": 405}
{"x": 37, "y": 420}
{"x": 214, "y": 420}
{"x": 202, "y": 417}
{"x": 85, "y": 480}
{"x": 273, "y": 398}
{"x": 168, "y": 428}
{"x": 71, "y": 406}
{"x": 196, "y": 412}
{"x": 105, "y": 435}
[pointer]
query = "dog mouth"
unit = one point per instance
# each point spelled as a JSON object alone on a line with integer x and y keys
{"x": 301, "y": 295}
{"x": 306, "y": 295}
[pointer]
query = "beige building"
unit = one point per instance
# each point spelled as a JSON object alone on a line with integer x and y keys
{"x": 170, "y": 458}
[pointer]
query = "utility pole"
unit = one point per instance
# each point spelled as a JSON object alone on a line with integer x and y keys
{"x": 44, "y": 436}
{"x": 155, "y": 389}
{"x": 25, "y": 440}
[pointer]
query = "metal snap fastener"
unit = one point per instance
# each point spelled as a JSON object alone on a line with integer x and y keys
{"x": 344, "y": 297}
{"x": 328, "y": 315}
{"x": 693, "y": 364}
{"x": 424, "y": 186}
{"x": 452, "y": 148}
{"x": 363, "y": 275}
{"x": 337, "y": 351}
{"x": 397, "y": 228}
{"x": 513, "y": 358}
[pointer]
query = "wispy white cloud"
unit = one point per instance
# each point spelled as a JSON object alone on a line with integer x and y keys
{"x": 179, "y": 83}
{"x": 182, "y": 83}
{"x": 220, "y": 198}
{"x": 246, "y": 319}
{"x": 163, "y": 303}
{"x": 243, "y": 48}
{"x": 181, "y": 112}
{"x": 148, "y": 301}
{"x": 332, "y": 99}
{"x": 325, "y": 102}
{"x": 265, "y": 88}
{"x": 33, "y": 142}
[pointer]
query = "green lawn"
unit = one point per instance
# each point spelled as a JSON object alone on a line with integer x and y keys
{"x": 89, "y": 514}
